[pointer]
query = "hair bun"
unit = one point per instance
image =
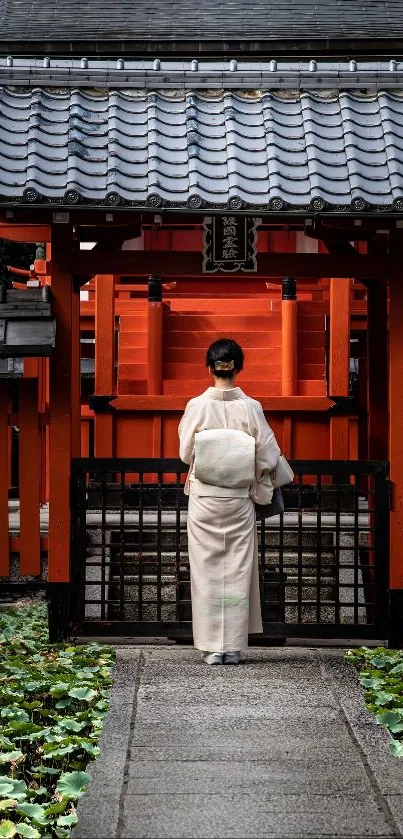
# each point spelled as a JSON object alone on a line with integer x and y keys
{"x": 224, "y": 365}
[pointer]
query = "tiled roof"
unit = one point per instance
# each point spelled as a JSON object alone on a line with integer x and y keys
{"x": 195, "y": 73}
{"x": 256, "y": 151}
{"x": 64, "y": 20}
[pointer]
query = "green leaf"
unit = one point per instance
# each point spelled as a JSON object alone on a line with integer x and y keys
{"x": 57, "y": 808}
{"x": 47, "y": 770}
{"x": 11, "y": 787}
{"x": 85, "y": 694}
{"x": 7, "y": 804}
{"x": 396, "y": 747}
{"x": 7, "y": 829}
{"x": 371, "y": 682}
{"x": 72, "y": 784}
{"x": 62, "y": 832}
{"x": 59, "y": 689}
{"x": 382, "y": 697}
{"x": 71, "y": 724}
{"x": 67, "y": 821}
{"x": 63, "y": 703}
{"x": 27, "y": 831}
{"x": 15, "y": 714}
{"x": 90, "y": 748}
{"x": 393, "y": 720}
{"x": 9, "y": 757}
{"x": 59, "y": 751}
{"x": 380, "y": 660}
{"x": 40, "y": 791}
{"x": 5, "y": 742}
{"x": 32, "y": 811}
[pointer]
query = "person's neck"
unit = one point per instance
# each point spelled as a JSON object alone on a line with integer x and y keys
{"x": 224, "y": 384}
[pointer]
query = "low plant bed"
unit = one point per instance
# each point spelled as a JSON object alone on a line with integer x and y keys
{"x": 53, "y": 700}
{"x": 380, "y": 672}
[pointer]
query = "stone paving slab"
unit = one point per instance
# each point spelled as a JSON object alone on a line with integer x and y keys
{"x": 281, "y": 746}
{"x": 250, "y": 814}
{"x": 298, "y": 777}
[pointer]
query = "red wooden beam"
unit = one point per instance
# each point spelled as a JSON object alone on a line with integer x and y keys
{"x": 30, "y": 233}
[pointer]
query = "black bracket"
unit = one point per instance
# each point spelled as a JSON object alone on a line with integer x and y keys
{"x": 79, "y": 280}
{"x": 343, "y": 405}
{"x": 101, "y": 404}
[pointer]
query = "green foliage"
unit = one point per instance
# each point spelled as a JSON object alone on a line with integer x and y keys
{"x": 380, "y": 672}
{"x": 53, "y": 700}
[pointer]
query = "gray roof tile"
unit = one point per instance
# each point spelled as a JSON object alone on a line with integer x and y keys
{"x": 34, "y": 20}
{"x": 266, "y": 152}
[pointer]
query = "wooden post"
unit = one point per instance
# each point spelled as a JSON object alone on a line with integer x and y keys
{"x": 42, "y": 406}
{"x": 64, "y": 436}
{"x": 154, "y": 336}
{"x": 104, "y": 361}
{"x": 29, "y": 477}
{"x": 339, "y": 363}
{"x": 289, "y": 337}
{"x": 4, "y": 461}
{"x": 377, "y": 366}
{"x": 396, "y": 455}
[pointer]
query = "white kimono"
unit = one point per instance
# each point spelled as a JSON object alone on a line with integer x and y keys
{"x": 222, "y": 537}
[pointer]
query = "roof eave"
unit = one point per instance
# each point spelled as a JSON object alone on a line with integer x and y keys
{"x": 239, "y": 47}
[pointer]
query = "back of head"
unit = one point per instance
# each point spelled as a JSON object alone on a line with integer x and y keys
{"x": 225, "y": 358}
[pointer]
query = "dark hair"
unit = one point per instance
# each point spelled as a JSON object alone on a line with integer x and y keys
{"x": 225, "y": 350}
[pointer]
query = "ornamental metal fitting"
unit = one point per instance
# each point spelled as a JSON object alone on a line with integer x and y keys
{"x": 289, "y": 288}
{"x": 154, "y": 289}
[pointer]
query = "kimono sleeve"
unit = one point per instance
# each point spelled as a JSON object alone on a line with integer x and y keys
{"x": 186, "y": 431}
{"x": 267, "y": 448}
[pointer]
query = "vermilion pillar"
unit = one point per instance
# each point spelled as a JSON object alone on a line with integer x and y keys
{"x": 4, "y": 479}
{"x": 104, "y": 361}
{"x": 154, "y": 336}
{"x": 289, "y": 337}
{"x": 396, "y": 456}
{"x": 64, "y": 429}
{"x": 30, "y": 475}
{"x": 154, "y": 354}
{"x": 377, "y": 366}
{"x": 339, "y": 363}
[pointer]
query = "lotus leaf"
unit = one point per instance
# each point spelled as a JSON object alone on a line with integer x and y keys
{"x": 83, "y": 693}
{"x": 7, "y": 829}
{"x": 72, "y": 784}
{"x": 36, "y": 812}
{"x": 27, "y": 831}
{"x": 67, "y": 821}
{"x": 16, "y": 788}
{"x": 48, "y": 695}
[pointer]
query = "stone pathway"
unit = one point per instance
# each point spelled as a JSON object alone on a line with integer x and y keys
{"x": 280, "y": 746}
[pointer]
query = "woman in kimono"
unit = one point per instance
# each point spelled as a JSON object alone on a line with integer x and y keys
{"x": 221, "y": 523}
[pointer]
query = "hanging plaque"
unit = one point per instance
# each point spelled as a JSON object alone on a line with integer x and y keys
{"x": 230, "y": 244}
